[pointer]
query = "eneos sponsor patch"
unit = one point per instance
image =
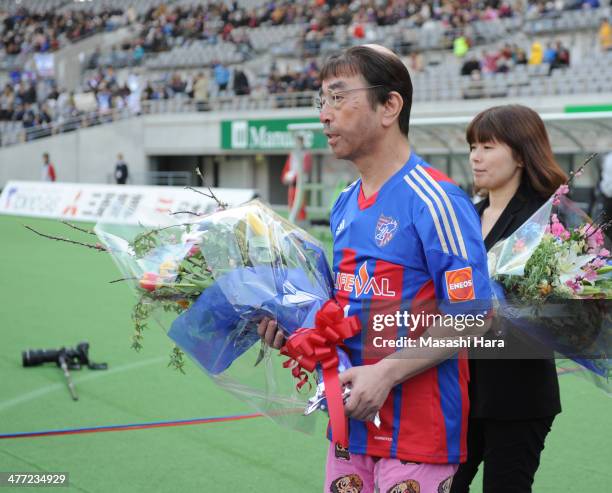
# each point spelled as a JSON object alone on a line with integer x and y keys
{"x": 459, "y": 284}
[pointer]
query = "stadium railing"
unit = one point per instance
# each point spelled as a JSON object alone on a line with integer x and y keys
{"x": 12, "y": 133}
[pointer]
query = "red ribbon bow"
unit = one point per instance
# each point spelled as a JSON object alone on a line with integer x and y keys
{"x": 308, "y": 346}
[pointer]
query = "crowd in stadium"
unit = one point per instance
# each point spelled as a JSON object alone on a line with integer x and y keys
{"x": 26, "y": 32}
{"x": 38, "y": 103}
{"x": 556, "y": 55}
{"x": 165, "y": 26}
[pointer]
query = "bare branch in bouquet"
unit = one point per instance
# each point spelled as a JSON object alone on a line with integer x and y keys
{"x": 82, "y": 230}
{"x": 123, "y": 279}
{"x": 146, "y": 241}
{"x": 210, "y": 194}
{"x": 96, "y": 246}
{"x": 579, "y": 171}
{"x": 186, "y": 212}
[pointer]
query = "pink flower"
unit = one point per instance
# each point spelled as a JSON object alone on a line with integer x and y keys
{"x": 595, "y": 238}
{"x": 573, "y": 285}
{"x": 562, "y": 190}
{"x": 604, "y": 253}
{"x": 558, "y": 230}
{"x": 598, "y": 263}
{"x": 590, "y": 275}
{"x": 519, "y": 246}
{"x": 193, "y": 251}
{"x": 578, "y": 173}
{"x": 556, "y": 200}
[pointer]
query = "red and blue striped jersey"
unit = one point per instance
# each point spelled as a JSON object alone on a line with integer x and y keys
{"x": 417, "y": 240}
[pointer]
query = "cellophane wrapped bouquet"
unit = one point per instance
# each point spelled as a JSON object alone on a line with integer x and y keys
{"x": 208, "y": 280}
{"x": 553, "y": 281}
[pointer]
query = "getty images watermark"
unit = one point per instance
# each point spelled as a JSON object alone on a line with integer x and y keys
{"x": 416, "y": 323}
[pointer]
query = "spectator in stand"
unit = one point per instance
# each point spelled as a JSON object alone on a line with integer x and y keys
{"x": 103, "y": 98}
{"x": 550, "y": 54}
{"x": 48, "y": 170}
{"x": 605, "y": 35}
{"x": 7, "y": 102}
{"x": 148, "y": 92}
{"x": 138, "y": 54}
{"x": 489, "y": 62}
{"x": 590, "y": 4}
{"x": 460, "y": 46}
{"x": 536, "y": 55}
{"x": 200, "y": 92}
{"x": 28, "y": 116}
{"x": 222, "y": 75}
{"x": 177, "y": 85}
{"x": 520, "y": 57}
{"x": 470, "y": 66}
{"x": 562, "y": 57}
{"x": 241, "y": 83}
{"x": 26, "y": 92}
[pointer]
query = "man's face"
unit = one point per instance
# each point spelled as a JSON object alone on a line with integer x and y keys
{"x": 350, "y": 123}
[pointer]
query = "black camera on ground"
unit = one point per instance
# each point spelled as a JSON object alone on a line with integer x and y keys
{"x": 74, "y": 357}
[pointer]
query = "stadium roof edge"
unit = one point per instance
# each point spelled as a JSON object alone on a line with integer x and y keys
{"x": 584, "y": 131}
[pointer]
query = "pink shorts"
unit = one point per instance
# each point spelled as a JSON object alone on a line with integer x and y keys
{"x": 356, "y": 473}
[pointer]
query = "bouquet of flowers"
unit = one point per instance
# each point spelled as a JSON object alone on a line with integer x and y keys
{"x": 553, "y": 279}
{"x": 210, "y": 280}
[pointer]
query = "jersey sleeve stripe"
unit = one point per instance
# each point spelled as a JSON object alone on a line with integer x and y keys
{"x": 432, "y": 211}
{"x": 441, "y": 209}
{"x": 450, "y": 208}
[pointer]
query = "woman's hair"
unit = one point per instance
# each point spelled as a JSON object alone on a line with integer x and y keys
{"x": 523, "y": 131}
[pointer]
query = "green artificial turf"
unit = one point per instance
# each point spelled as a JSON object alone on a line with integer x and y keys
{"x": 54, "y": 294}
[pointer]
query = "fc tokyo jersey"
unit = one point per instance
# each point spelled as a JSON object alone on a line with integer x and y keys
{"x": 417, "y": 239}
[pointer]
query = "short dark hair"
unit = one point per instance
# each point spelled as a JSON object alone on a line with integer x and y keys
{"x": 377, "y": 68}
{"x": 523, "y": 131}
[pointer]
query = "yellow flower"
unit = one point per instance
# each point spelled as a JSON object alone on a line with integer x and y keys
{"x": 544, "y": 288}
{"x": 256, "y": 224}
{"x": 167, "y": 268}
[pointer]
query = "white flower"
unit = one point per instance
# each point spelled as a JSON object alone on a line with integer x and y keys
{"x": 570, "y": 263}
{"x": 491, "y": 263}
{"x": 194, "y": 238}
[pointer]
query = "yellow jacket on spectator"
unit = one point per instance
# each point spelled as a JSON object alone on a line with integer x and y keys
{"x": 535, "y": 57}
{"x": 605, "y": 35}
{"x": 460, "y": 46}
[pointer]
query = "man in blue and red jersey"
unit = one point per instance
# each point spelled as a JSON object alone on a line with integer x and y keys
{"x": 407, "y": 241}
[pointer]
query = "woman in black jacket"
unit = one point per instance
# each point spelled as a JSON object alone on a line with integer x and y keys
{"x": 513, "y": 402}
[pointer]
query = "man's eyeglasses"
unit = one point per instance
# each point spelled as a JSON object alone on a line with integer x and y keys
{"x": 335, "y": 98}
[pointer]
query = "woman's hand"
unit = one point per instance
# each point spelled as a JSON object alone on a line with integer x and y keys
{"x": 268, "y": 330}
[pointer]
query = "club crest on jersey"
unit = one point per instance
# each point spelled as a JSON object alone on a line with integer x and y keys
{"x": 386, "y": 228}
{"x": 362, "y": 283}
{"x": 460, "y": 284}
